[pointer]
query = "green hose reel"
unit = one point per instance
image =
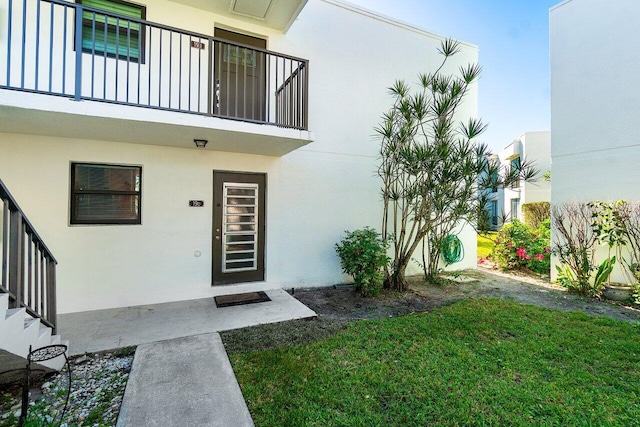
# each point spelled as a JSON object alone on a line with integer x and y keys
{"x": 452, "y": 249}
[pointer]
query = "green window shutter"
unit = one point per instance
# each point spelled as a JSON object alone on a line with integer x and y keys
{"x": 121, "y": 38}
{"x": 97, "y": 44}
{"x": 118, "y": 8}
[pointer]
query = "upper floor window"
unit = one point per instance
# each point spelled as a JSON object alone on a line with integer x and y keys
{"x": 111, "y": 36}
{"x": 515, "y": 166}
{"x": 494, "y": 181}
{"x": 105, "y": 194}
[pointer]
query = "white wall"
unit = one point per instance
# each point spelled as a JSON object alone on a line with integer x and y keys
{"x": 536, "y": 148}
{"x": 313, "y": 194}
{"x": 594, "y": 101}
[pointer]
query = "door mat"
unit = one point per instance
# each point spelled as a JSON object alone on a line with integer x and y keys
{"x": 241, "y": 299}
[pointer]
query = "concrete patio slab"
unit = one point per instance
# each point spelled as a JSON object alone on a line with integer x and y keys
{"x": 102, "y": 330}
{"x": 183, "y": 382}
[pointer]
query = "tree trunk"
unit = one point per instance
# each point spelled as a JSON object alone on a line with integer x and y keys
{"x": 396, "y": 277}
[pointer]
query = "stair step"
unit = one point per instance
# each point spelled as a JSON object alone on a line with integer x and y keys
{"x": 4, "y": 302}
{"x": 14, "y": 312}
{"x": 44, "y": 336}
{"x": 29, "y": 322}
{"x": 20, "y": 332}
{"x": 30, "y": 333}
{"x": 12, "y": 329}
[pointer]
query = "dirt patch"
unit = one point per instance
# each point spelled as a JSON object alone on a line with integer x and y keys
{"x": 347, "y": 305}
{"x": 525, "y": 289}
{"x": 337, "y": 307}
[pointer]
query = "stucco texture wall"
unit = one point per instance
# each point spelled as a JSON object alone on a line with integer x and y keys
{"x": 594, "y": 100}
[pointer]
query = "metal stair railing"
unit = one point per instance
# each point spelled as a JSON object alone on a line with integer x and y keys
{"x": 27, "y": 267}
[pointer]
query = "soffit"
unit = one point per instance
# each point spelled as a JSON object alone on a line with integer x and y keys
{"x": 275, "y": 14}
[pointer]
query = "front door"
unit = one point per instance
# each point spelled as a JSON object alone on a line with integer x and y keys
{"x": 240, "y": 76}
{"x": 238, "y": 227}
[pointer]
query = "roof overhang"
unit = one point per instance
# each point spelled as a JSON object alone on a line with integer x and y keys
{"x": 275, "y": 14}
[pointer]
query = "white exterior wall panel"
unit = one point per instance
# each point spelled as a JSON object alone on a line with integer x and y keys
{"x": 594, "y": 100}
{"x": 594, "y": 103}
{"x": 536, "y": 147}
{"x": 313, "y": 193}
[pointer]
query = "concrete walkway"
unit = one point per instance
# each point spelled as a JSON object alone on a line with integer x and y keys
{"x": 181, "y": 375}
{"x": 183, "y": 382}
{"x": 102, "y": 330}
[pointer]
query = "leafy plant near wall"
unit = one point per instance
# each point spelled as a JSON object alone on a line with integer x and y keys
{"x": 629, "y": 214}
{"x": 520, "y": 246}
{"x": 432, "y": 169}
{"x": 363, "y": 255}
{"x": 535, "y": 213}
{"x": 580, "y": 226}
{"x": 574, "y": 244}
{"x": 608, "y": 228}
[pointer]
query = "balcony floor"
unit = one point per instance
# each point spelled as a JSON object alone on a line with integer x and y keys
{"x": 39, "y": 114}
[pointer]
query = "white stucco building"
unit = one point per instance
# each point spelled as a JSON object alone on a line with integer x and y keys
{"x": 98, "y": 145}
{"x": 506, "y": 203}
{"x": 594, "y": 100}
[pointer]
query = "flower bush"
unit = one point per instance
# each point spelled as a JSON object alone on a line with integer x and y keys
{"x": 519, "y": 246}
{"x": 363, "y": 255}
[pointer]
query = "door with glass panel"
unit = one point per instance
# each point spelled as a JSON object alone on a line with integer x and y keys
{"x": 238, "y": 227}
{"x": 240, "y": 75}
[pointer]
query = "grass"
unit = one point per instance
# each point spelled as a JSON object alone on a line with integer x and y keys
{"x": 477, "y": 362}
{"x": 486, "y": 243}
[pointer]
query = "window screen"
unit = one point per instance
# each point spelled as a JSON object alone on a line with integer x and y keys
{"x": 111, "y": 36}
{"x": 105, "y": 194}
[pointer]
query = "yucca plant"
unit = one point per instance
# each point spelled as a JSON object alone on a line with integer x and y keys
{"x": 431, "y": 167}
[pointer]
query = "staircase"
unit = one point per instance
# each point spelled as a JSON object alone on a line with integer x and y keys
{"x": 18, "y": 333}
{"x": 27, "y": 293}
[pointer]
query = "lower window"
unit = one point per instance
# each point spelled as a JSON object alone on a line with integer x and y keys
{"x": 105, "y": 194}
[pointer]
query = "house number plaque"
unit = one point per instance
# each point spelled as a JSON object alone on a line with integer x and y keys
{"x": 197, "y": 45}
{"x": 196, "y": 203}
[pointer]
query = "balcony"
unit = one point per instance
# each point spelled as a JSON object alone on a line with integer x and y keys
{"x": 131, "y": 76}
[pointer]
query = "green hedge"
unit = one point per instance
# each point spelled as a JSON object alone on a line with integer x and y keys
{"x": 535, "y": 213}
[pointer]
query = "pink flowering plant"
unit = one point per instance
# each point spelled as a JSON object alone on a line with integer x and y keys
{"x": 521, "y": 247}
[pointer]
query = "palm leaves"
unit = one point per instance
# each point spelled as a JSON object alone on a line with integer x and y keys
{"x": 430, "y": 163}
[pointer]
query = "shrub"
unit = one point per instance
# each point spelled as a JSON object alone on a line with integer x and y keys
{"x": 574, "y": 244}
{"x": 519, "y": 246}
{"x": 363, "y": 255}
{"x": 535, "y": 213}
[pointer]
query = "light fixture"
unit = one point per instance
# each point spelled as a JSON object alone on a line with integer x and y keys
{"x": 200, "y": 143}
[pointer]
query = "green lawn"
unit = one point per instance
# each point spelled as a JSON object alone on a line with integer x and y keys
{"x": 477, "y": 362}
{"x": 485, "y": 243}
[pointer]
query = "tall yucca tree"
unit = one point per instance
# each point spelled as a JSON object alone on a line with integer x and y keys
{"x": 433, "y": 172}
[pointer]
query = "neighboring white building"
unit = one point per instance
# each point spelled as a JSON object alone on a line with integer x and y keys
{"x": 289, "y": 164}
{"x": 506, "y": 203}
{"x": 535, "y": 147}
{"x": 594, "y": 101}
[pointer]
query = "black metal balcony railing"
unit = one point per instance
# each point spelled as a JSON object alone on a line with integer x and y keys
{"x": 27, "y": 267}
{"x": 67, "y": 49}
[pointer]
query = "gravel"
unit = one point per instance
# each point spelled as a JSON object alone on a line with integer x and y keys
{"x": 98, "y": 383}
